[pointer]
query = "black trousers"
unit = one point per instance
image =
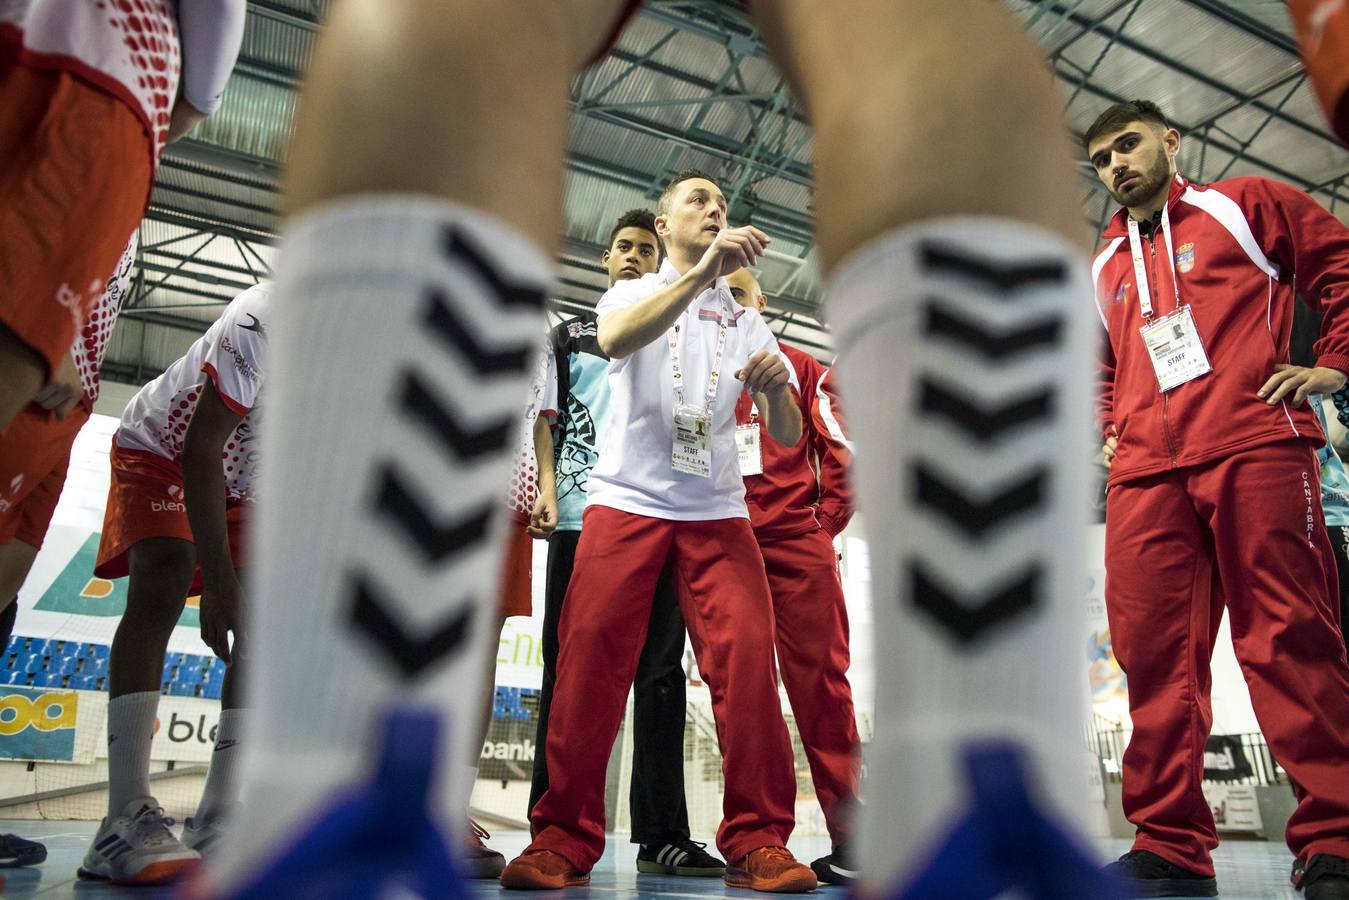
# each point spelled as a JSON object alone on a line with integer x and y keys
{"x": 1339, "y": 540}
{"x": 659, "y": 812}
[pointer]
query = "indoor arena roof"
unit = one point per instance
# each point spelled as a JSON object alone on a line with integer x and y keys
{"x": 689, "y": 85}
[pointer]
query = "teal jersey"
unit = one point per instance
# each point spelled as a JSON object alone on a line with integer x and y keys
{"x": 1334, "y": 478}
{"x": 578, "y": 398}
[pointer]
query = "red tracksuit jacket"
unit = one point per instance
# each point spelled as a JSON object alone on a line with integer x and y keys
{"x": 1241, "y": 249}
{"x": 789, "y": 498}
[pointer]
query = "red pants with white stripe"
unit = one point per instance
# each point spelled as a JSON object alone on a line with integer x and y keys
{"x": 723, "y": 594}
{"x": 1247, "y": 532}
{"x": 812, "y": 645}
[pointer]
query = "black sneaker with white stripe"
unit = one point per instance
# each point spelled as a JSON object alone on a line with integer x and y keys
{"x": 836, "y": 868}
{"x": 679, "y": 857}
{"x": 17, "y": 851}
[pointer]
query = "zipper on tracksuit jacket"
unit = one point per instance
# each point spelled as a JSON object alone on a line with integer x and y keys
{"x": 1166, "y": 418}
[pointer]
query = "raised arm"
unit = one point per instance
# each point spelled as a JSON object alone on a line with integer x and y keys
{"x": 624, "y": 331}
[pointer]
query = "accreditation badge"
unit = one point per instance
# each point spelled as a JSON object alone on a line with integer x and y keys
{"x": 748, "y": 449}
{"x": 1176, "y": 350}
{"x": 692, "y": 450}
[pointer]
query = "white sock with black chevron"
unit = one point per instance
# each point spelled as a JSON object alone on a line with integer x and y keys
{"x": 406, "y": 329}
{"x": 973, "y": 454}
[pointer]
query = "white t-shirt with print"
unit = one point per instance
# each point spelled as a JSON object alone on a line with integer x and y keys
{"x": 233, "y": 354}
{"x": 634, "y": 473}
{"x": 524, "y": 488}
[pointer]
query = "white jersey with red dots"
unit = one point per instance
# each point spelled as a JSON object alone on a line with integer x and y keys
{"x": 524, "y": 488}
{"x": 129, "y": 48}
{"x": 93, "y": 341}
{"x": 233, "y": 355}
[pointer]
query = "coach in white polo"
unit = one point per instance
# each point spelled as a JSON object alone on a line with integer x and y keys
{"x": 667, "y": 490}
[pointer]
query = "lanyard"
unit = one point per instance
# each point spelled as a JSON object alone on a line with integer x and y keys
{"x": 1140, "y": 267}
{"x": 714, "y": 378}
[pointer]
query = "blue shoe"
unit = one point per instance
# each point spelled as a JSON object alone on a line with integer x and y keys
{"x": 373, "y": 838}
{"x": 1004, "y": 843}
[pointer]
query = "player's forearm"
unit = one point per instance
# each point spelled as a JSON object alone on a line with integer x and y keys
{"x": 781, "y": 415}
{"x": 625, "y": 331}
{"x": 543, "y": 451}
{"x": 204, "y": 496}
{"x": 543, "y": 456}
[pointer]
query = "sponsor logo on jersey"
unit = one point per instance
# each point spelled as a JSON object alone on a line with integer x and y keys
{"x": 173, "y": 504}
{"x": 244, "y": 367}
{"x": 255, "y": 325}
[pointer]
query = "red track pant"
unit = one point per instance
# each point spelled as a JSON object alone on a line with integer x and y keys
{"x": 812, "y": 645}
{"x": 723, "y": 594}
{"x": 1247, "y": 532}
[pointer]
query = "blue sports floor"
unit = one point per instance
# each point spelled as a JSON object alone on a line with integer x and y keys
{"x": 1247, "y": 870}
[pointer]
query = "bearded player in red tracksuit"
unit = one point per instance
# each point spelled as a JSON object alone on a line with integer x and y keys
{"x": 796, "y": 513}
{"x": 1212, "y": 496}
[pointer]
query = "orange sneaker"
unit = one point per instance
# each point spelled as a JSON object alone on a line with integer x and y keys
{"x": 543, "y": 870}
{"x": 771, "y": 869}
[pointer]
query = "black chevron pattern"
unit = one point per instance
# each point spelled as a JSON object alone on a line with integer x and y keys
{"x": 1005, "y": 279}
{"x": 968, "y": 619}
{"x": 438, "y": 543}
{"x": 409, "y": 654}
{"x": 397, "y": 503}
{"x": 989, "y": 342}
{"x": 986, "y": 424}
{"x": 446, "y": 325}
{"x": 971, "y": 516}
{"x": 466, "y": 444}
{"x": 461, "y": 248}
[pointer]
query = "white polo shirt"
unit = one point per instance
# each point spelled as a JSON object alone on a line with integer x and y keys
{"x": 634, "y": 473}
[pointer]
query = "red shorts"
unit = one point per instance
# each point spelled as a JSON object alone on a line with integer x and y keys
{"x": 34, "y": 456}
{"x": 1323, "y": 33}
{"x": 145, "y": 500}
{"x": 517, "y": 582}
{"x": 75, "y": 182}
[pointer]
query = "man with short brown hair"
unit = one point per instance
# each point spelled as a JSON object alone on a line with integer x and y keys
{"x": 667, "y": 490}
{"x": 1213, "y": 492}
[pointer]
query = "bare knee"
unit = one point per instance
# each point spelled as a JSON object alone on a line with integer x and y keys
{"x": 922, "y": 113}
{"x": 161, "y": 574}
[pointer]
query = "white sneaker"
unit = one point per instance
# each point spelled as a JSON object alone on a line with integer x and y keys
{"x": 201, "y": 833}
{"x": 137, "y": 847}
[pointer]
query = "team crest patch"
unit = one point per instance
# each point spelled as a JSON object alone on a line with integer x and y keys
{"x": 1122, "y": 295}
{"x": 1185, "y": 257}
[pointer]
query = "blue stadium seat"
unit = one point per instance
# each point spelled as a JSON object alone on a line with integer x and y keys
{"x": 47, "y": 679}
{"x": 188, "y": 676}
{"x": 168, "y": 672}
{"x": 13, "y": 677}
{"x": 65, "y": 665}
{"x": 40, "y": 646}
{"x": 84, "y": 682}
{"x": 98, "y": 651}
{"x": 179, "y": 689}
{"x": 32, "y": 664}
